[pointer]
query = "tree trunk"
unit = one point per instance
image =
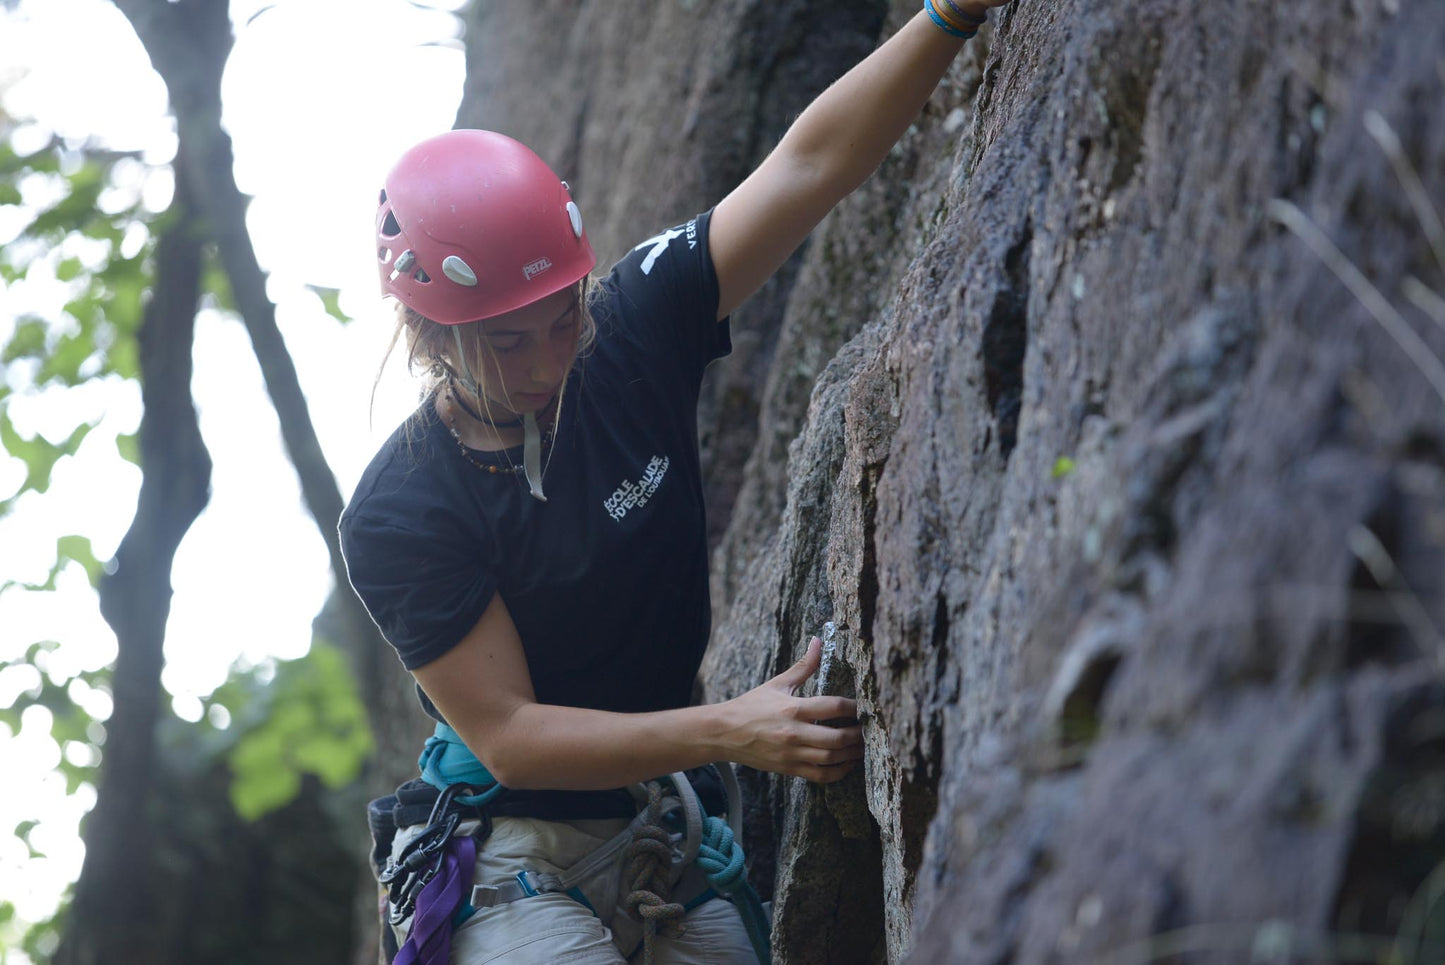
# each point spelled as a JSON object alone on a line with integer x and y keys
{"x": 111, "y": 919}
{"x": 188, "y": 43}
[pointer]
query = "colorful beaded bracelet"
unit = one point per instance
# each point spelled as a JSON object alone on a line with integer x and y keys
{"x": 949, "y": 27}
{"x": 962, "y": 16}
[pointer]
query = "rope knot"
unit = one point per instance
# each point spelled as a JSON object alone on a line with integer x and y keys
{"x": 649, "y": 864}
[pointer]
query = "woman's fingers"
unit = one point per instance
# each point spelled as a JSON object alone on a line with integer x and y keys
{"x": 797, "y": 675}
{"x": 826, "y": 708}
{"x": 829, "y": 757}
{"x": 818, "y": 745}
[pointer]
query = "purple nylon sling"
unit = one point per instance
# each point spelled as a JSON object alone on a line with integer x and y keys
{"x": 430, "y": 939}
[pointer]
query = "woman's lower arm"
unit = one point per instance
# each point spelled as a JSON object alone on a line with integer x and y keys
{"x": 544, "y": 746}
{"x": 484, "y": 690}
{"x": 848, "y": 130}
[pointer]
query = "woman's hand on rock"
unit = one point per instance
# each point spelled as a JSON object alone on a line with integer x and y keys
{"x": 770, "y": 729}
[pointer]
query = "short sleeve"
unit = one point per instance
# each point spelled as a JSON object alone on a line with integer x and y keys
{"x": 669, "y": 283}
{"x": 424, "y": 590}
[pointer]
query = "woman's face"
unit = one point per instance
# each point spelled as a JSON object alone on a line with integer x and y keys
{"x": 527, "y": 353}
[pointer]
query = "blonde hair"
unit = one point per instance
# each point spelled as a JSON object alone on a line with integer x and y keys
{"x": 431, "y": 346}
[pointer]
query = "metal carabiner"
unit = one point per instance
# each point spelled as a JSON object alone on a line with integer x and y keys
{"x": 427, "y": 848}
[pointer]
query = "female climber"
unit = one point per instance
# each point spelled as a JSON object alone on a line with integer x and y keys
{"x": 531, "y": 541}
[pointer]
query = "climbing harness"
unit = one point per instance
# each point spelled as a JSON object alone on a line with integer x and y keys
{"x": 407, "y": 875}
{"x": 673, "y": 858}
{"x": 427, "y": 879}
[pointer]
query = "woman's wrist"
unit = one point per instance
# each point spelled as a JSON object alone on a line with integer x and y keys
{"x": 957, "y": 18}
{"x": 710, "y": 726}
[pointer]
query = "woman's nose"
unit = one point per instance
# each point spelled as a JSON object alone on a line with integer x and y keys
{"x": 546, "y": 368}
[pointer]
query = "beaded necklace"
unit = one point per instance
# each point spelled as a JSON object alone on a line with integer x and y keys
{"x": 511, "y": 469}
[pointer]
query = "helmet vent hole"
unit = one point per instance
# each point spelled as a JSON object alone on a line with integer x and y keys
{"x": 389, "y": 226}
{"x": 382, "y": 200}
{"x": 421, "y": 276}
{"x": 383, "y": 254}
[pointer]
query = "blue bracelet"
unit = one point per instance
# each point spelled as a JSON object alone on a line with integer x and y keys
{"x": 944, "y": 24}
{"x": 967, "y": 18}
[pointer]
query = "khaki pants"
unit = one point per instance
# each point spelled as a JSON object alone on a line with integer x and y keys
{"x": 556, "y": 929}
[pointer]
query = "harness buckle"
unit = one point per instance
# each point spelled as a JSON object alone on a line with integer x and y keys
{"x": 485, "y": 896}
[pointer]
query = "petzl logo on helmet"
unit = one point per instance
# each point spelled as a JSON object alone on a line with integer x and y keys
{"x": 534, "y": 268}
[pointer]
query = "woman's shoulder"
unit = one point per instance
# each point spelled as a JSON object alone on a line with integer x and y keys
{"x": 662, "y": 299}
{"x": 405, "y": 478}
{"x": 670, "y": 258}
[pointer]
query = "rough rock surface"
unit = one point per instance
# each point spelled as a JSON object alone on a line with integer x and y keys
{"x": 1129, "y": 513}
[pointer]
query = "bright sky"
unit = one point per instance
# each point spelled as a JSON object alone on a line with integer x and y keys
{"x": 320, "y": 97}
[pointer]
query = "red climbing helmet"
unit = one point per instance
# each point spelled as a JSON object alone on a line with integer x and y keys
{"x": 472, "y": 224}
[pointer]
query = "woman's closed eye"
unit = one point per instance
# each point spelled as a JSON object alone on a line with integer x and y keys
{"x": 504, "y": 344}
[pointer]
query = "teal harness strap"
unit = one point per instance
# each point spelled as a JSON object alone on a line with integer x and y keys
{"x": 445, "y": 761}
{"x": 721, "y": 859}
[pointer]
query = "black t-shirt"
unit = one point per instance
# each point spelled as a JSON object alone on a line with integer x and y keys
{"x": 607, "y": 581}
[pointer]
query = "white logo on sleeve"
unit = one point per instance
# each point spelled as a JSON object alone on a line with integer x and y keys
{"x": 631, "y": 494}
{"x": 659, "y": 243}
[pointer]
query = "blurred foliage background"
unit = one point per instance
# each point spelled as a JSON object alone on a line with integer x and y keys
{"x": 235, "y": 832}
{"x": 278, "y": 742}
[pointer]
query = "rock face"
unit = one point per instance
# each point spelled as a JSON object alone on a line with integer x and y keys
{"x": 1125, "y": 497}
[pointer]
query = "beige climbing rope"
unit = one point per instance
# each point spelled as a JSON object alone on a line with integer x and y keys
{"x": 648, "y": 875}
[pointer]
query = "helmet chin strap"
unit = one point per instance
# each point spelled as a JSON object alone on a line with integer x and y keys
{"x": 531, "y": 436}
{"x": 532, "y": 455}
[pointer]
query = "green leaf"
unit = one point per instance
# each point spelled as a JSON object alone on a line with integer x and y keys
{"x": 260, "y": 792}
{"x": 44, "y": 455}
{"x": 9, "y": 193}
{"x": 308, "y": 720}
{"x": 69, "y": 269}
{"x": 44, "y": 161}
{"x": 128, "y": 445}
{"x": 39, "y": 455}
{"x": 88, "y": 310}
{"x": 78, "y": 209}
{"x": 125, "y": 282}
{"x": 33, "y": 652}
{"x": 65, "y": 360}
{"x": 123, "y": 358}
{"x": 27, "y": 341}
{"x": 103, "y": 228}
{"x": 331, "y": 301}
{"x": 126, "y": 305}
{"x": 78, "y": 549}
{"x": 76, "y": 775}
{"x": 1063, "y": 466}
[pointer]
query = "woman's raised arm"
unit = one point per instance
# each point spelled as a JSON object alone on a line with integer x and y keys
{"x": 833, "y": 146}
